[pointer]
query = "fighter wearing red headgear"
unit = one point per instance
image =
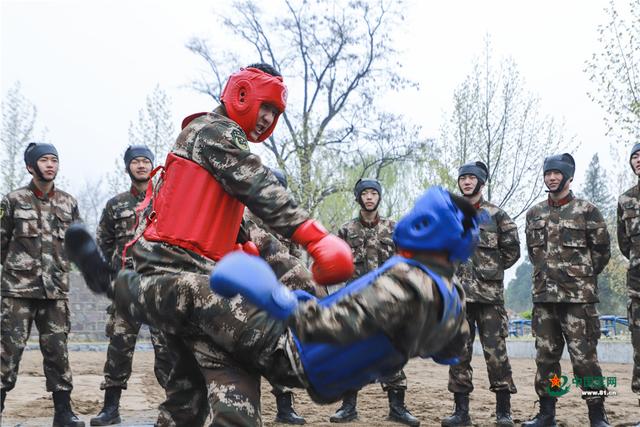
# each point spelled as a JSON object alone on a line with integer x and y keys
{"x": 191, "y": 222}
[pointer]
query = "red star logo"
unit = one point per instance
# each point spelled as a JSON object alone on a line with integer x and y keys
{"x": 555, "y": 381}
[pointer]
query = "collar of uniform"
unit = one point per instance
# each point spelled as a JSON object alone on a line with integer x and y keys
{"x": 371, "y": 224}
{"x": 39, "y": 194}
{"x": 479, "y": 203}
{"x": 134, "y": 191}
{"x": 556, "y": 204}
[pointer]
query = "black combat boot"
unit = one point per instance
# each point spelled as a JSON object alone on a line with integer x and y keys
{"x": 547, "y": 415}
{"x": 460, "y": 416}
{"x": 503, "y": 409}
{"x": 347, "y": 411}
{"x": 84, "y": 252}
{"x": 109, "y": 414}
{"x": 597, "y": 414}
{"x": 398, "y": 412}
{"x": 286, "y": 414}
{"x": 63, "y": 416}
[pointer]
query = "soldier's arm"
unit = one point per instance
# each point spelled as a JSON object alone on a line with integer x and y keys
{"x": 288, "y": 269}
{"x": 598, "y": 239}
{"x": 624, "y": 241}
{"x": 386, "y": 305}
{"x": 526, "y": 233}
{"x": 343, "y": 232}
{"x": 508, "y": 241}
{"x": 106, "y": 232}
{"x": 224, "y": 151}
{"x": 6, "y": 227}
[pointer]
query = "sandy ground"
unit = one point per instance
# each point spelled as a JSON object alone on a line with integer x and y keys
{"x": 427, "y": 397}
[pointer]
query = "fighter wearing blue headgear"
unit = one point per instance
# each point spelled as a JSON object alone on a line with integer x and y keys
{"x": 408, "y": 307}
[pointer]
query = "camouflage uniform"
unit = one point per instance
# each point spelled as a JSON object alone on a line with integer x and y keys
{"x": 116, "y": 228}
{"x": 371, "y": 245}
{"x": 234, "y": 342}
{"x": 568, "y": 245}
{"x": 172, "y": 291}
{"x": 482, "y": 278}
{"x": 629, "y": 242}
{"x": 35, "y": 281}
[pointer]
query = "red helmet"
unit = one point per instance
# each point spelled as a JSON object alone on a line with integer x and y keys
{"x": 246, "y": 91}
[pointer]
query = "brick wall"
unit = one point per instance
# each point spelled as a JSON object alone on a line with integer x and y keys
{"x": 88, "y": 313}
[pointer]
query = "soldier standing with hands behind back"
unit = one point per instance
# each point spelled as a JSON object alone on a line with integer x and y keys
{"x": 35, "y": 278}
{"x": 482, "y": 278}
{"x": 370, "y": 239}
{"x": 568, "y": 245}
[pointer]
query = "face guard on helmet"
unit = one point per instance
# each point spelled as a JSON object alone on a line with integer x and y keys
{"x": 34, "y": 151}
{"x": 563, "y": 163}
{"x": 364, "y": 184}
{"x": 436, "y": 223}
{"x": 477, "y": 169}
{"x": 246, "y": 91}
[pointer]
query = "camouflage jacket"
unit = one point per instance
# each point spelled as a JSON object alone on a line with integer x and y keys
{"x": 219, "y": 145}
{"x": 34, "y": 263}
{"x": 569, "y": 246}
{"x": 117, "y": 226}
{"x": 628, "y": 228}
{"x": 498, "y": 249}
{"x": 403, "y": 303}
{"x": 280, "y": 253}
{"x": 371, "y": 244}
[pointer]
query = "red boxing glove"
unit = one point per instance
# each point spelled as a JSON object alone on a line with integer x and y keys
{"x": 247, "y": 247}
{"x": 333, "y": 261}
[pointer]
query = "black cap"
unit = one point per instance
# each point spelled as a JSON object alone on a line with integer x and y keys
{"x": 478, "y": 169}
{"x": 134, "y": 151}
{"x": 366, "y": 183}
{"x": 35, "y": 150}
{"x": 561, "y": 162}
{"x": 634, "y": 150}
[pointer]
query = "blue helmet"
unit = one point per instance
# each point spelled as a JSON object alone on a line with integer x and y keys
{"x": 437, "y": 223}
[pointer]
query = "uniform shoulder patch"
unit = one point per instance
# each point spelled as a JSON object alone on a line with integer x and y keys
{"x": 239, "y": 139}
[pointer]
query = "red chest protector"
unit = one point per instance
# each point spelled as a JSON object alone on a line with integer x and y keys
{"x": 193, "y": 211}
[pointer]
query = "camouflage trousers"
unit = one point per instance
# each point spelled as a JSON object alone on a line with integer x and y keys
{"x": 634, "y": 327}
{"x": 493, "y": 326}
{"x": 53, "y": 322}
{"x": 218, "y": 370}
{"x": 123, "y": 334}
{"x": 579, "y": 325}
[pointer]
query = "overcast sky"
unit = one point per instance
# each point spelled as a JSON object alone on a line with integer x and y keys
{"x": 88, "y": 65}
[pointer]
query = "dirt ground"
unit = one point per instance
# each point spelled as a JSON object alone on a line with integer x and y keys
{"x": 427, "y": 397}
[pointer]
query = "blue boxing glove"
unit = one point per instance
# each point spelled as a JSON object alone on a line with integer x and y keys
{"x": 251, "y": 277}
{"x": 446, "y": 361}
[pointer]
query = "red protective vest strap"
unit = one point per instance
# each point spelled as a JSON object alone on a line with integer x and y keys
{"x": 193, "y": 211}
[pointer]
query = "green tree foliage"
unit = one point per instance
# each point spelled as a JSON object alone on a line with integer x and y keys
{"x": 518, "y": 293}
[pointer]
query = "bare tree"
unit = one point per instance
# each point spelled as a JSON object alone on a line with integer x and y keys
{"x": 18, "y": 122}
{"x": 337, "y": 57}
{"x": 615, "y": 73}
{"x": 91, "y": 201}
{"x": 497, "y": 121}
{"x": 154, "y": 126}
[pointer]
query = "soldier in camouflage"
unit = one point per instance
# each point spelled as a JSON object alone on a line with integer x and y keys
{"x": 629, "y": 242}
{"x": 482, "y": 278}
{"x": 115, "y": 229}
{"x": 193, "y": 220}
{"x": 370, "y": 239}
{"x": 411, "y": 307}
{"x": 568, "y": 245}
{"x": 35, "y": 277}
